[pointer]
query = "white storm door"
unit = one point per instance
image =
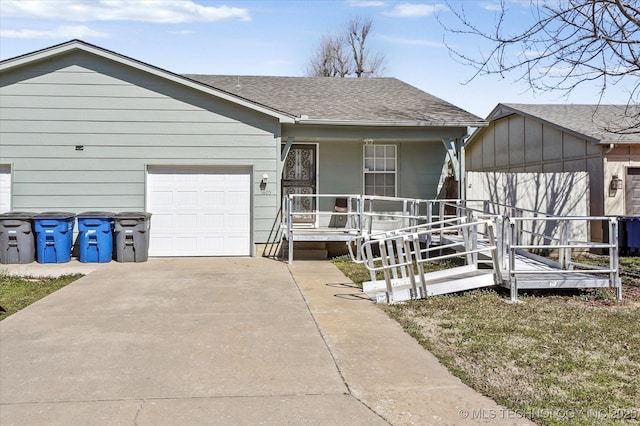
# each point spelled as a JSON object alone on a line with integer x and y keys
{"x": 199, "y": 211}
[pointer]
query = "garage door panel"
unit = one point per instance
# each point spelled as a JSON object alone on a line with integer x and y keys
{"x": 161, "y": 198}
{"x": 213, "y": 243}
{"x": 213, "y": 198}
{"x": 199, "y": 212}
{"x": 187, "y": 198}
{"x": 213, "y": 221}
{"x": 236, "y": 221}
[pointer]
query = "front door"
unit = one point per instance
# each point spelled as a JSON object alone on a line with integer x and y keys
{"x": 299, "y": 177}
{"x": 632, "y": 195}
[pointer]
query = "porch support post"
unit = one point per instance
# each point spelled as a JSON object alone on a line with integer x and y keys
{"x": 287, "y": 147}
{"x": 462, "y": 182}
{"x": 455, "y": 151}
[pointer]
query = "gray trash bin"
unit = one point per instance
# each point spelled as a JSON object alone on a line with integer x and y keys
{"x": 17, "y": 241}
{"x": 131, "y": 230}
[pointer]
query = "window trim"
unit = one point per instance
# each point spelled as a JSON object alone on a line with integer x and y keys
{"x": 385, "y": 172}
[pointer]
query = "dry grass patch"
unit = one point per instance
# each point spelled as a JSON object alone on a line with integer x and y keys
{"x": 558, "y": 358}
{"x": 18, "y": 292}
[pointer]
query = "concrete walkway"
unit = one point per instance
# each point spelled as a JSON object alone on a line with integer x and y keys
{"x": 221, "y": 341}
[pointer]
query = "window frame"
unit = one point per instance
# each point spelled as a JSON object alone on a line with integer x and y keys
{"x": 385, "y": 159}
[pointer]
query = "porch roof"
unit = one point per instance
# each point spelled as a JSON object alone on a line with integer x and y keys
{"x": 373, "y": 101}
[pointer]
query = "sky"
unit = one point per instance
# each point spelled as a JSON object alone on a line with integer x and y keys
{"x": 278, "y": 38}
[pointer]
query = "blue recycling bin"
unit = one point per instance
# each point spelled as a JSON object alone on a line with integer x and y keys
{"x": 633, "y": 234}
{"x": 95, "y": 237}
{"x": 54, "y": 236}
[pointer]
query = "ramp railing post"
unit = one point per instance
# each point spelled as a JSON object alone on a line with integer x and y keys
{"x": 614, "y": 260}
{"x": 415, "y": 240}
{"x": 409, "y": 256}
{"x": 562, "y": 225}
{"x": 495, "y": 252}
{"x": 290, "y": 227}
{"x": 512, "y": 260}
{"x": 385, "y": 269}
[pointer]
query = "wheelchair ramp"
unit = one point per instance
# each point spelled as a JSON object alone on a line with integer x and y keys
{"x": 405, "y": 259}
{"x": 438, "y": 282}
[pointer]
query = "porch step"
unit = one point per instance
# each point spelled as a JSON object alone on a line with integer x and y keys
{"x": 307, "y": 250}
{"x": 309, "y": 254}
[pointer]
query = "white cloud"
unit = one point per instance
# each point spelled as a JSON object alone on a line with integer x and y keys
{"x": 182, "y": 32}
{"x": 413, "y": 10}
{"x": 365, "y": 3}
{"x": 63, "y": 32}
{"x": 412, "y": 41}
{"x": 158, "y": 11}
{"x": 495, "y": 6}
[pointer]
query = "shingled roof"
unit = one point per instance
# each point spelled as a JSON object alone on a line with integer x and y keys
{"x": 344, "y": 99}
{"x": 601, "y": 123}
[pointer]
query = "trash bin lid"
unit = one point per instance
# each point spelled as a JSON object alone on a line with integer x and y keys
{"x": 132, "y": 215}
{"x": 54, "y": 215}
{"x": 17, "y": 215}
{"x": 96, "y": 215}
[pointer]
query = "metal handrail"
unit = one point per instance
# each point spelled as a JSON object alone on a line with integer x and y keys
{"x": 400, "y": 253}
{"x": 565, "y": 246}
{"x": 508, "y": 229}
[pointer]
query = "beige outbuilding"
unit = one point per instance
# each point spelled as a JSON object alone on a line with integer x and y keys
{"x": 603, "y": 140}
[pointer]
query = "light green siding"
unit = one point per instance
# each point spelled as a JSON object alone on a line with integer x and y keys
{"x": 123, "y": 120}
{"x": 419, "y": 165}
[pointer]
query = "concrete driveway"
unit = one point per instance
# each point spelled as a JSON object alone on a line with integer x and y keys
{"x": 221, "y": 341}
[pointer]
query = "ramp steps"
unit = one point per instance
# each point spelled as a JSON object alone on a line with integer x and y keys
{"x": 436, "y": 283}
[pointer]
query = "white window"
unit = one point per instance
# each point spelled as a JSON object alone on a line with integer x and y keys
{"x": 380, "y": 170}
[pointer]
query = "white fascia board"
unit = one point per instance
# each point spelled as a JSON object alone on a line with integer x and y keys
{"x": 80, "y": 45}
{"x": 368, "y": 123}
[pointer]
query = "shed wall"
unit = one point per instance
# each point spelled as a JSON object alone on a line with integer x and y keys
{"x": 522, "y": 144}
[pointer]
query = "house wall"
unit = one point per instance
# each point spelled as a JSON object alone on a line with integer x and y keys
{"x": 419, "y": 168}
{"x": 125, "y": 120}
{"x": 616, "y": 162}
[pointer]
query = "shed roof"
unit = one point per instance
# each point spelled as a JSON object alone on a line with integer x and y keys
{"x": 344, "y": 99}
{"x": 603, "y": 124}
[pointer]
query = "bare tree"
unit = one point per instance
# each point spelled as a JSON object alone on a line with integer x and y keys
{"x": 357, "y": 32}
{"x": 571, "y": 43}
{"x": 345, "y": 54}
{"x": 330, "y": 59}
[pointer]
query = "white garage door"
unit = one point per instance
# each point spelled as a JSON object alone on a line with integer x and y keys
{"x": 5, "y": 189}
{"x": 199, "y": 211}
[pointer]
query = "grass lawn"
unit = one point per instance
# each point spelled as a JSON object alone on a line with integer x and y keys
{"x": 19, "y": 292}
{"x": 557, "y": 358}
